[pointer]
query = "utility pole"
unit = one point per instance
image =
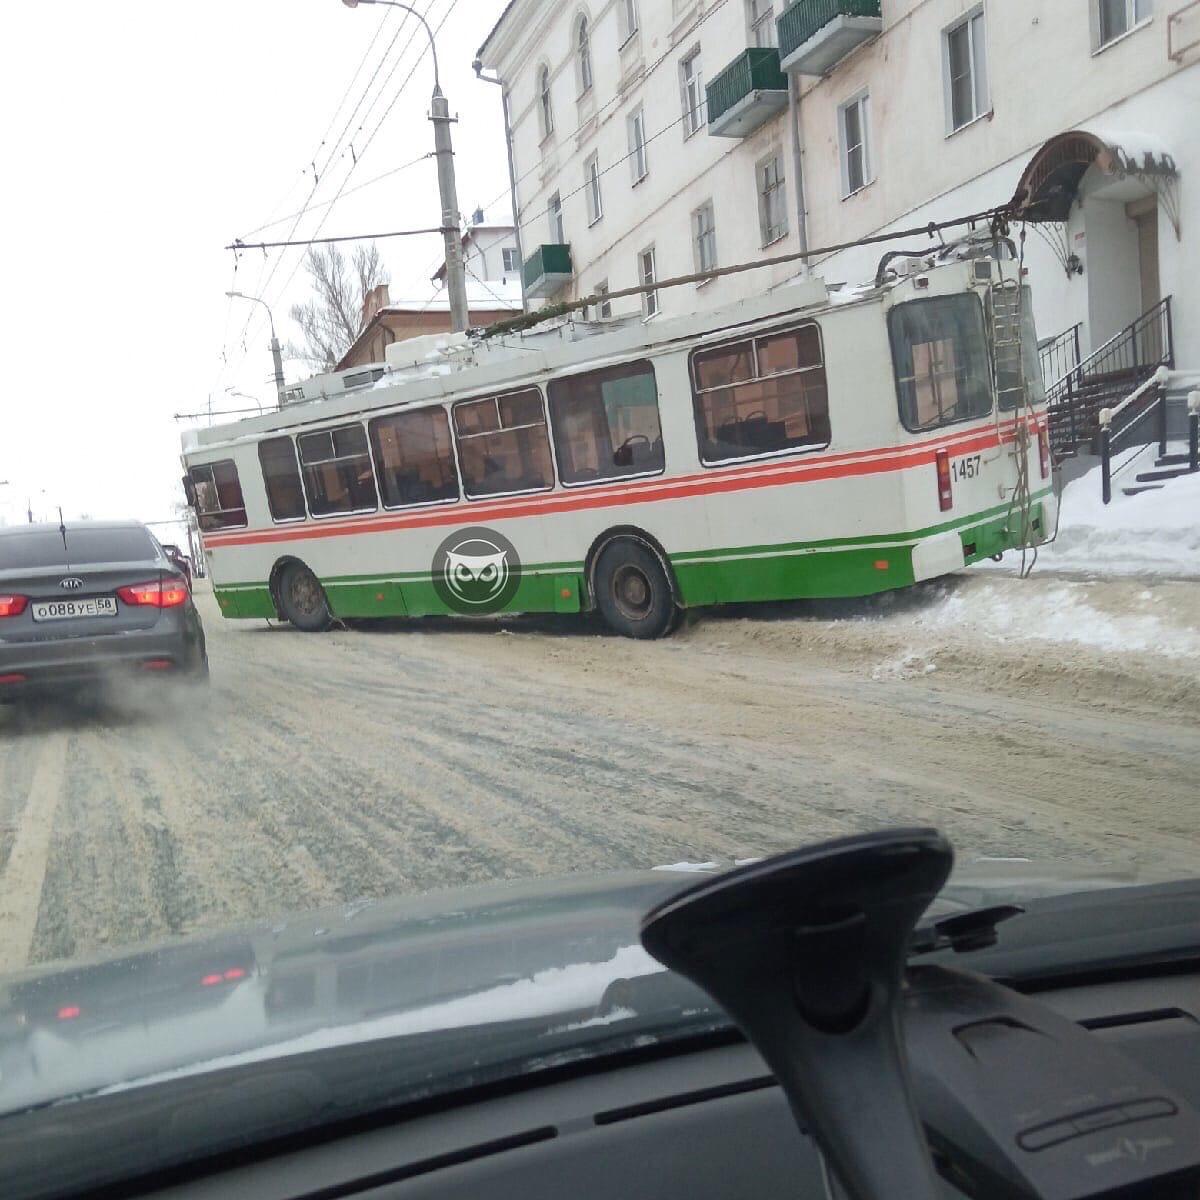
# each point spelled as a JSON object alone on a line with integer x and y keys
{"x": 439, "y": 114}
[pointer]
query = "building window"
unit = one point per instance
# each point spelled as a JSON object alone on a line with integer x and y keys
{"x": 691, "y": 85}
{"x": 856, "y": 152}
{"x": 218, "y": 496}
{"x": 704, "y": 237}
{"x": 647, "y": 274}
{"x": 940, "y": 356}
{"x": 1117, "y": 17}
{"x": 639, "y": 163}
{"x": 760, "y": 22}
{"x": 415, "y": 458}
{"x": 772, "y": 200}
{"x": 627, "y": 16}
{"x": 964, "y": 62}
{"x": 337, "y": 470}
{"x": 604, "y": 308}
{"x": 606, "y": 424}
{"x": 281, "y": 478}
{"x": 584, "y": 51}
{"x": 554, "y": 212}
{"x": 509, "y": 258}
{"x": 591, "y": 189}
{"x": 546, "y": 102}
{"x": 764, "y": 395}
{"x": 502, "y": 444}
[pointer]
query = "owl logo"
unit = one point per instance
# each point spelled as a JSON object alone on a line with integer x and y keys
{"x": 476, "y": 570}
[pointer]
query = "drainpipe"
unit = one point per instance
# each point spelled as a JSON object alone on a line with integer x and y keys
{"x": 512, "y": 175}
{"x": 798, "y": 170}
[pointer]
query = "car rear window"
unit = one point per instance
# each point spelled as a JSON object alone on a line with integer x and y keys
{"x": 44, "y": 548}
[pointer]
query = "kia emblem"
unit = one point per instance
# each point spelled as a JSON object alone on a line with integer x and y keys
{"x": 72, "y": 583}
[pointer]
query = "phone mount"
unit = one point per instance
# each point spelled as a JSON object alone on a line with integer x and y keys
{"x": 805, "y": 952}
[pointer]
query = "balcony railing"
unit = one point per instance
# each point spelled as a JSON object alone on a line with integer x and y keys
{"x": 746, "y": 93}
{"x": 815, "y": 35}
{"x": 547, "y": 269}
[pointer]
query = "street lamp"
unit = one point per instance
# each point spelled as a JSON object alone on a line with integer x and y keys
{"x": 275, "y": 355}
{"x": 439, "y": 114}
{"x": 246, "y": 396}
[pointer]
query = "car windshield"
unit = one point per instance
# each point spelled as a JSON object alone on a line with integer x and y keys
{"x": 469, "y": 471}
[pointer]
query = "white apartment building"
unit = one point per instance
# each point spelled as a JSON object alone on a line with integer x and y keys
{"x": 656, "y": 138}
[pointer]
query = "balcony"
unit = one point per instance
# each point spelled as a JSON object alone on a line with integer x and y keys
{"x": 815, "y": 35}
{"x": 547, "y": 270}
{"x": 744, "y": 95}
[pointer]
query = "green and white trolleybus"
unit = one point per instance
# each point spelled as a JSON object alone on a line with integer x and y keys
{"x": 805, "y": 443}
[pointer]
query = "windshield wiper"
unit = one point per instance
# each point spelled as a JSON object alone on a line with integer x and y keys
{"x": 962, "y": 932}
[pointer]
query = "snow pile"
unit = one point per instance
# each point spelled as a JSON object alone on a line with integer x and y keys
{"x": 1155, "y": 532}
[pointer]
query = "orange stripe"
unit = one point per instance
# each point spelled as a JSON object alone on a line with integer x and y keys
{"x": 711, "y": 482}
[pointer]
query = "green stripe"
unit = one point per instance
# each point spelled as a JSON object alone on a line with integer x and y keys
{"x": 835, "y": 567}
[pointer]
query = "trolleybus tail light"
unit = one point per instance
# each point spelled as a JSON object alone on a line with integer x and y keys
{"x": 12, "y": 606}
{"x": 945, "y": 491}
{"x": 1044, "y": 449}
{"x": 167, "y": 593}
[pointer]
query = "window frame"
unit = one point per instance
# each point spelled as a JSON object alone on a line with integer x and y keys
{"x": 974, "y": 23}
{"x": 764, "y": 191}
{"x": 1133, "y": 22}
{"x": 583, "y": 54}
{"x": 505, "y": 260}
{"x": 650, "y": 305}
{"x": 554, "y": 216}
{"x": 211, "y": 467}
{"x": 987, "y": 360}
{"x": 627, "y": 15}
{"x": 639, "y": 156}
{"x": 755, "y": 21}
{"x": 691, "y": 75}
{"x": 753, "y": 339}
{"x": 496, "y": 397}
{"x": 593, "y": 195}
{"x": 700, "y": 235}
{"x": 861, "y": 103}
{"x": 284, "y": 437}
{"x": 604, "y": 308}
{"x": 375, "y": 456}
{"x": 545, "y": 96}
{"x": 331, "y": 430}
{"x": 608, "y": 479}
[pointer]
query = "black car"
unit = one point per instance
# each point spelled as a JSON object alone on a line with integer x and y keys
{"x": 84, "y": 600}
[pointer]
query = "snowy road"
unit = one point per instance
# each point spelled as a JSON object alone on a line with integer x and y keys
{"x": 1045, "y": 718}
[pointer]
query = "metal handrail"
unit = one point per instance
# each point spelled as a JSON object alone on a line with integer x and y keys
{"x": 1160, "y": 378}
{"x": 1052, "y": 349}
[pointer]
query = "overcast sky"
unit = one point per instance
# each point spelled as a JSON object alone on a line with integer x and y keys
{"x": 141, "y": 137}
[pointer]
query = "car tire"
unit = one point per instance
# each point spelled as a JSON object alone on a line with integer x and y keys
{"x": 632, "y": 590}
{"x": 302, "y": 599}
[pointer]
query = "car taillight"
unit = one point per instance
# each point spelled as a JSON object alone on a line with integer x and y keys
{"x": 945, "y": 491}
{"x": 1044, "y": 449}
{"x": 229, "y": 976}
{"x": 12, "y": 606}
{"x": 69, "y": 1012}
{"x": 169, "y": 593}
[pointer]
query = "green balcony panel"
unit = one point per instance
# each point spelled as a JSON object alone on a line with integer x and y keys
{"x": 547, "y": 270}
{"x": 815, "y": 35}
{"x": 746, "y": 93}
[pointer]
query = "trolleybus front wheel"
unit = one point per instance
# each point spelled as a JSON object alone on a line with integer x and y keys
{"x": 633, "y": 592}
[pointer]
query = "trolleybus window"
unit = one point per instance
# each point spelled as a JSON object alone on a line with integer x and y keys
{"x": 761, "y": 396}
{"x": 606, "y": 423}
{"x": 414, "y": 457}
{"x": 502, "y": 444}
{"x": 281, "y": 477}
{"x": 219, "y": 503}
{"x": 337, "y": 470}
{"x": 941, "y": 360}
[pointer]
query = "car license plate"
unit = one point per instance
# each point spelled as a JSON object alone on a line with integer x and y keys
{"x": 60, "y": 610}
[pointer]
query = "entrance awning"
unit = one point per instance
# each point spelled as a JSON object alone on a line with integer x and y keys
{"x": 1051, "y": 182}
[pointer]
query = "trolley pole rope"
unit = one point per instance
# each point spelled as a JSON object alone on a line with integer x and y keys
{"x": 997, "y": 219}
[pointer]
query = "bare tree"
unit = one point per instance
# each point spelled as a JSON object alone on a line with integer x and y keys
{"x": 332, "y": 319}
